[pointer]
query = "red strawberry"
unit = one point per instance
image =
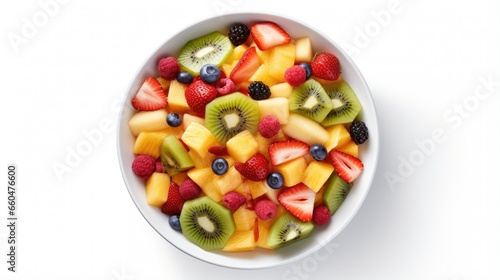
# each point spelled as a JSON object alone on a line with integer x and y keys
{"x": 246, "y": 66}
{"x": 326, "y": 66}
{"x": 198, "y": 95}
{"x": 283, "y": 151}
{"x": 347, "y": 166}
{"x": 299, "y": 201}
{"x": 218, "y": 150}
{"x": 150, "y": 96}
{"x": 255, "y": 168}
{"x": 268, "y": 34}
{"x": 174, "y": 203}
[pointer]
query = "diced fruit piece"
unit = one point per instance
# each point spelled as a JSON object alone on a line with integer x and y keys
{"x": 212, "y": 48}
{"x": 318, "y": 199}
{"x": 316, "y": 174}
{"x": 231, "y": 114}
{"x": 255, "y": 168}
{"x": 348, "y": 167}
{"x": 242, "y": 146}
{"x": 338, "y": 136}
{"x": 233, "y": 200}
{"x": 310, "y": 99}
{"x": 174, "y": 202}
{"x": 265, "y": 142}
{"x": 283, "y": 151}
{"x": 188, "y": 119}
{"x": 157, "y": 187}
{"x": 198, "y": 138}
{"x": 256, "y": 188}
{"x": 143, "y": 166}
{"x": 228, "y": 182}
{"x": 277, "y": 107}
{"x": 199, "y": 161}
{"x": 237, "y": 53}
{"x": 326, "y": 66}
{"x": 244, "y": 218}
{"x": 198, "y": 95}
{"x": 278, "y": 60}
{"x": 303, "y": 50}
{"x": 292, "y": 171}
{"x": 336, "y": 190}
{"x": 218, "y": 150}
{"x": 246, "y": 66}
{"x": 346, "y": 105}
{"x": 262, "y": 74}
{"x": 299, "y": 201}
{"x": 147, "y": 121}
{"x": 174, "y": 156}
{"x": 240, "y": 241}
{"x": 206, "y": 223}
{"x": 178, "y": 178}
{"x": 176, "y": 97}
{"x": 204, "y": 177}
{"x": 281, "y": 90}
{"x": 165, "y": 84}
{"x": 263, "y": 235}
{"x": 268, "y": 34}
{"x": 305, "y": 129}
{"x": 321, "y": 215}
{"x": 287, "y": 230}
{"x": 150, "y": 96}
{"x": 349, "y": 148}
{"x": 149, "y": 143}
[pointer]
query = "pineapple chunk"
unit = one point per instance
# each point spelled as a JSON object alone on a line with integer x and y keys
{"x": 176, "y": 98}
{"x": 198, "y": 138}
{"x": 244, "y": 189}
{"x": 165, "y": 84}
{"x": 281, "y": 90}
{"x": 349, "y": 148}
{"x": 199, "y": 161}
{"x": 242, "y": 146}
{"x": 228, "y": 182}
{"x": 265, "y": 142}
{"x": 148, "y": 121}
{"x": 178, "y": 178}
{"x": 204, "y": 177}
{"x": 149, "y": 143}
{"x": 228, "y": 67}
{"x": 304, "y": 129}
{"x": 240, "y": 241}
{"x": 157, "y": 187}
{"x": 237, "y": 53}
{"x": 303, "y": 50}
{"x": 256, "y": 188}
{"x": 244, "y": 218}
{"x": 292, "y": 171}
{"x": 275, "y": 106}
{"x": 316, "y": 174}
{"x": 263, "y": 235}
{"x": 188, "y": 118}
{"x": 278, "y": 59}
{"x": 262, "y": 74}
{"x": 318, "y": 199}
{"x": 337, "y": 136}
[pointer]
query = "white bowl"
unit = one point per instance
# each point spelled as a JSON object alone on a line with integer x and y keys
{"x": 259, "y": 258}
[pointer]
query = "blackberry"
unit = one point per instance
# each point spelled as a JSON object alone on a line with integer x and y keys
{"x": 259, "y": 91}
{"x": 358, "y": 132}
{"x": 238, "y": 34}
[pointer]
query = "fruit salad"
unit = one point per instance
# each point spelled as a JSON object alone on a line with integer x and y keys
{"x": 247, "y": 138}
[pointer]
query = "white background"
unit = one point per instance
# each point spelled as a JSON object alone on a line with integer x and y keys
{"x": 64, "y": 80}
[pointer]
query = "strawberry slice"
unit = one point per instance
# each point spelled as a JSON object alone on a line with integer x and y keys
{"x": 218, "y": 150}
{"x": 299, "y": 201}
{"x": 150, "y": 96}
{"x": 347, "y": 166}
{"x": 246, "y": 66}
{"x": 283, "y": 151}
{"x": 268, "y": 34}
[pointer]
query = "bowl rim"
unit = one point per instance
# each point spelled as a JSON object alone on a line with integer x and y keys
{"x": 374, "y": 138}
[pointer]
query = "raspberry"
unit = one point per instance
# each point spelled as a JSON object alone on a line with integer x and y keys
{"x": 189, "y": 189}
{"x": 269, "y": 126}
{"x": 159, "y": 167}
{"x": 265, "y": 209}
{"x": 225, "y": 86}
{"x": 238, "y": 34}
{"x": 143, "y": 166}
{"x": 358, "y": 132}
{"x": 233, "y": 200}
{"x": 168, "y": 68}
{"x": 295, "y": 75}
{"x": 258, "y": 90}
{"x": 321, "y": 215}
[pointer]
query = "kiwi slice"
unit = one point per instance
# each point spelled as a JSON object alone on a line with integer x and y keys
{"x": 206, "y": 223}
{"x": 174, "y": 156}
{"x": 286, "y": 230}
{"x": 335, "y": 193}
{"x": 310, "y": 100}
{"x": 230, "y": 114}
{"x": 212, "y": 48}
{"x": 346, "y": 105}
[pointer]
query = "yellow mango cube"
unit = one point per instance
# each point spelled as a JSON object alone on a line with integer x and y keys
{"x": 242, "y": 146}
{"x": 292, "y": 171}
{"x": 198, "y": 138}
{"x": 157, "y": 187}
{"x": 316, "y": 174}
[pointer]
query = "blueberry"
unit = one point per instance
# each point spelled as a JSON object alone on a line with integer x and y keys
{"x": 174, "y": 119}
{"x": 275, "y": 180}
{"x": 308, "y": 69}
{"x": 219, "y": 166}
{"x": 184, "y": 77}
{"x": 318, "y": 152}
{"x": 174, "y": 222}
{"x": 209, "y": 73}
